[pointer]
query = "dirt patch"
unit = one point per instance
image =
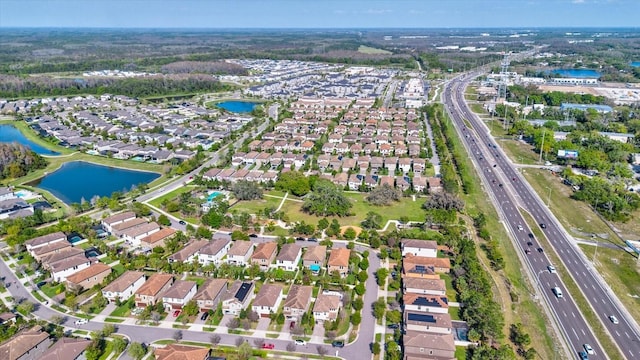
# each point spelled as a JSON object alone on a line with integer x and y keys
{"x": 356, "y": 228}
{"x": 569, "y": 89}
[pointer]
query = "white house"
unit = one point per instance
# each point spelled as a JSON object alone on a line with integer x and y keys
{"x": 45, "y": 240}
{"x": 238, "y": 296}
{"x": 124, "y": 286}
{"x": 109, "y": 222}
{"x": 289, "y": 257}
{"x": 134, "y": 235}
{"x": 65, "y": 267}
{"x": 327, "y": 307}
{"x": 425, "y": 303}
{"x": 214, "y": 251}
{"x": 415, "y": 285}
{"x": 179, "y": 294}
{"x": 415, "y": 247}
{"x": 267, "y": 300}
{"x": 240, "y": 253}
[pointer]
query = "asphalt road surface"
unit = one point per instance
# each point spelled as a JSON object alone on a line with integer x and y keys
{"x": 509, "y": 190}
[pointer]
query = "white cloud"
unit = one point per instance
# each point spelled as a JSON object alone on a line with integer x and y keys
{"x": 577, "y": 1}
{"x": 377, "y": 11}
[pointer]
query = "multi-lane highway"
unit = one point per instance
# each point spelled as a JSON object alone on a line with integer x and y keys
{"x": 509, "y": 191}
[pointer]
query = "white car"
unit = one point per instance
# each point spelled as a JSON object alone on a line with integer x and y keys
{"x": 520, "y": 227}
{"x": 614, "y": 319}
{"x": 81, "y": 321}
{"x": 588, "y": 349}
{"x": 301, "y": 342}
{"x": 552, "y": 269}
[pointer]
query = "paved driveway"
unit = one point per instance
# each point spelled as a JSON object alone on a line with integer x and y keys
{"x": 263, "y": 324}
{"x": 318, "y": 333}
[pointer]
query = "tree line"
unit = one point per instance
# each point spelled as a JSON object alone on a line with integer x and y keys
{"x": 16, "y": 160}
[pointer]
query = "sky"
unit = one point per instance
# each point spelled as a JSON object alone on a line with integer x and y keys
{"x": 319, "y": 13}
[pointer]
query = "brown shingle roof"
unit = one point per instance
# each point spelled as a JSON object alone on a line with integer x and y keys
{"x": 420, "y": 244}
{"x": 154, "y": 284}
{"x": 92, "y": 270}
{"x": 129, "y": 224}
{"x": 124, "y": 281}
{"x": 191, "y": 248}
{"x": 240, "y": 248}
{"x": 425, "y": 284}
{"x": 411, "y": 261}
{"x": 24, "y": 341}
{"x": 324, "y": 303}
{"x": 119, "y": 217}
{"x": 158, "y": 236}
{"x": 68, "y": 263}
{"x": 429, "y": 341}
{"x": 289, "y": 252}
{"x": 339, "y": 257}
{"x": 181, "y": 352}
{"x": 210, "y": 289}
{"x": 265, "y": 250}
{"x": 66, "y": 349}
{"x": 214, "y": 246}
{"x": 179, "y": 289}
{"x": 57, "y": 256}
{"x": 298, "y": 297}
{"x": 45, "y": 238}
{"x": 58, "y": 245}
{"x": 315, "y": 253}
{"x": 268, "y": 295}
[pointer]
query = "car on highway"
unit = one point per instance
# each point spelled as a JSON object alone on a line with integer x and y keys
{"x": 500, "y": 185}
{"x": 540, "y": 250}
{"x": 552, "y": 269}
{"x": 81, "y": 321}
{"x": 588, "y": 349}
{"x": 301, "y": 342}
{"x": 557, "y": 292}
{"x": 268, "y": 346}
{"x": 204, "y": 316}
{"x": 583, "y": 355}
{"x": 528, "y": 251}
{"x": 520, "y": 228}
{"x": 338, "y": 344}
{"x": 529, "y": 243}
{"x": 182, "y": 222}
{"x": 614, "y": 319}
{"x": 543, "y": 225}
{"x": 494, "y": 165}
{"x": 176, "y": 313}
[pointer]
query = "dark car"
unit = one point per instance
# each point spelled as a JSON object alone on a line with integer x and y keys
{"x": 542, "y": 225}
{"x": 494, "y": 165}
{"x": 583, "y": 355}
{"x": 204, "y": 316}
{"x": 338, "y": 344}
{"x": 500, "y": 185}
{"x": 41, "y": 284}
{"x": 528, "y": 251}
{"x": 253, "y": 235}
{"x": 529, "y": 243}
{"x": 313, "y": 239}
{"x": 540, "y": 250}
{"x": 393, "y": 326}
{"x": 300, "y": 239}
{"x": 531, "y": 236}
{"x": 182, "y": 222}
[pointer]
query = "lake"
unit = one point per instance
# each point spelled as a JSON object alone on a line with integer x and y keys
{"x": 576, "y": 73}
{"x": 78, "y": 179}
{"x": 237, "y": 106}
{"x": 9, "y": 134}
{"x": 635, "y": 63}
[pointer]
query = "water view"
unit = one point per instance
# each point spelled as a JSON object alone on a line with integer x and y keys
{"x": 576, "y": 73}
{"x": 237, "y": 106}
{"x": 635, "y": 63}
{"x": 77, "y": 180}
{"x": 9, "y": 134}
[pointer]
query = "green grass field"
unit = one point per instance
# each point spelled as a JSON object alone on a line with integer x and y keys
{"x": 371, "y": 50}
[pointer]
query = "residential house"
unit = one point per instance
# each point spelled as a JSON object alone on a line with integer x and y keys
{"x": 179, "y": 294}
{"x": 134, "y": 235}
{"x": 297, "y": 301}
{"x": 237, "y": 297}
{"x": 68, "y": 266}
{"x": 45, "y": 240}
{"x": 315, "y": 257}
{"x": 416, "y": 264}
{"x": 28, "y": 344}
{"x": 41, "y": 252}
{"x": 210, "y": 294}
{"x": 420, "y": 345}
{"x": 264, "y": 254}
{"x": 214, "y": 251}
{"x": 425, "y": 303}
{"x": 434, "y": 185}
{"x": 268, "y": 299}
{"x": 109, "y": 222}
{"x": 326, "y": 307}
{"x": 354, "y": 182}
{"x": 427, "y": 322}
{"x": 339, "y": 261}
{"x": 7, "y": 317}
{"x": 289, "y": 257}
{"x": 415, "y": 247}
{"x": 181, "y": 352}
{"x": 240, "y": 253}
{"x": 435, "y": 287}
{"x": 189, "y": 252}
{"x": 158, "y": 238}
{"x": 153, "y": 289}
{"x": 119, "y": 229}
{"x": 419, "y": 184}
{"x": 67, "y": 349}
{"x": 124, "y": 286}
{"x": 404, "y": 164}
{"x": 87, "y": 278}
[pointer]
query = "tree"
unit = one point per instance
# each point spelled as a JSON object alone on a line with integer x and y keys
{"x": 190, "y": 308}
{"x": 107, "y": 330}
{"x": 394, "y": 316}
{"x": 372, "y": 221}
{"x": 214, "y": 340}
{"x": 239, "y": 235}
{"x": 119, "y": 344}
{"x": 384, "y": 195}
{"x": 233, "y": 323}
{"x": 177, "y": 335}
{"x": 356, "y": 318}
{"x": 294, "y": 182}
{"x": 444, "y": 201}
{"x": 350, "y": 234}
{"x": 246, "y": 190}
{"x": 326, "y": 200}
{"x": 258, "y": 343}
{"x": 379, "y": 308}
{"x": 375, "y": 348}
{"x": 291, "y": 347}
{"x": 136, "y": 350}
{"x": 322, "y": 350}
{"x": 164, "y": 220}
{"x": 323, "y": 224}
{"x": 253, "y": 316}
{"x": 381, "y": 276}
{"x": 357, "y": 304}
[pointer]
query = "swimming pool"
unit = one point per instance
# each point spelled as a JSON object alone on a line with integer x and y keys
{"x": 213, "y": 195}
{"x": 20, "y": 194}
{"x": 75, "y": 239}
